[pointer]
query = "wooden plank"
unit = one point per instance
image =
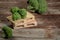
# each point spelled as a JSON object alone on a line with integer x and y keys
{"x": 25, "y": 39}
{"x": 12, "y": 0}
{"x": 7, "y": 4}
{"x": 21, "y": 39}
{"x": 30, "y": 33}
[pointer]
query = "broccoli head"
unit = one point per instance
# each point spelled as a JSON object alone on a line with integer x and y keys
{"x": 39, "y": 6}
{"x": 14, "y": 9}
{"x": 16, "y": 16}
{"x": 42, "y": 6}
{"x": 33, "y": 3}
{"x": 7, "y": 31}
{"x": 23, "y": 13}
{"x": 18, "y": 13}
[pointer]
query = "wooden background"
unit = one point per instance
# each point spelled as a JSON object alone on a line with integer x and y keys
{"x": 44, "y": 21}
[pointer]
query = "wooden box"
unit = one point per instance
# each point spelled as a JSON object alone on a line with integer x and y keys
{"x": 29, "y": 21}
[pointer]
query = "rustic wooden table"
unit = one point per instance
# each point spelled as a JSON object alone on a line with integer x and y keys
{"x": 44, "y": 21}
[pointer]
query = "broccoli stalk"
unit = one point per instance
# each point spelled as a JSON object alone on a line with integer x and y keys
{"x": 7, "y": 31}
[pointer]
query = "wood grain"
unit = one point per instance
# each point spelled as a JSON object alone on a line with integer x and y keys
{"x": 44, "y": 21}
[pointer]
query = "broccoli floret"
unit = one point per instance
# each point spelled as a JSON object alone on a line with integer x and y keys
{"x": 23, "y": 13}
{"x": 39, "y": 6}
{"x": 16, "y": 16}
{"x": 18, "y": 13}
{"x": 7, "y": 31}
{"x": 14, "y": 9}
{"x": 33, "y": 3}
{"x": 42, "y": 6}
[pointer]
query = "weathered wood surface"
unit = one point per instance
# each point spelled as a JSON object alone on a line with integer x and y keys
{"x": 28, "y": 34}
{"x": 44, "y": 21}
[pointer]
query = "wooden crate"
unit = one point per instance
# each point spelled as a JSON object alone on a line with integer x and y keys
{"x": 29, "y": 21}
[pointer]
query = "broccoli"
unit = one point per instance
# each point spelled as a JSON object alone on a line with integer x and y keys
{"x": 39, "y": 6}
{"x": 16, "y": 16}
{"x": 18, "y": 13}
{"x": 14, "y": 9}
{"x": 33, "y": 3}
{"x": 23, "y": 13}
{"x": 42, "y": 6}
{"x": 7, "y": 31}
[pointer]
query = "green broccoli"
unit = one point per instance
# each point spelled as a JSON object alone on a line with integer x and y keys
{"x": 23, "y": 13}
{"x": 14, "y": 9}
{"x": 16, "y": 16}
{"x": 18, "y": 13}
{"x": 33, "y": 3}
{"x": 7, "y": 31}
{"x": 39, "y": 6}
{"x": 42, "y": 6}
